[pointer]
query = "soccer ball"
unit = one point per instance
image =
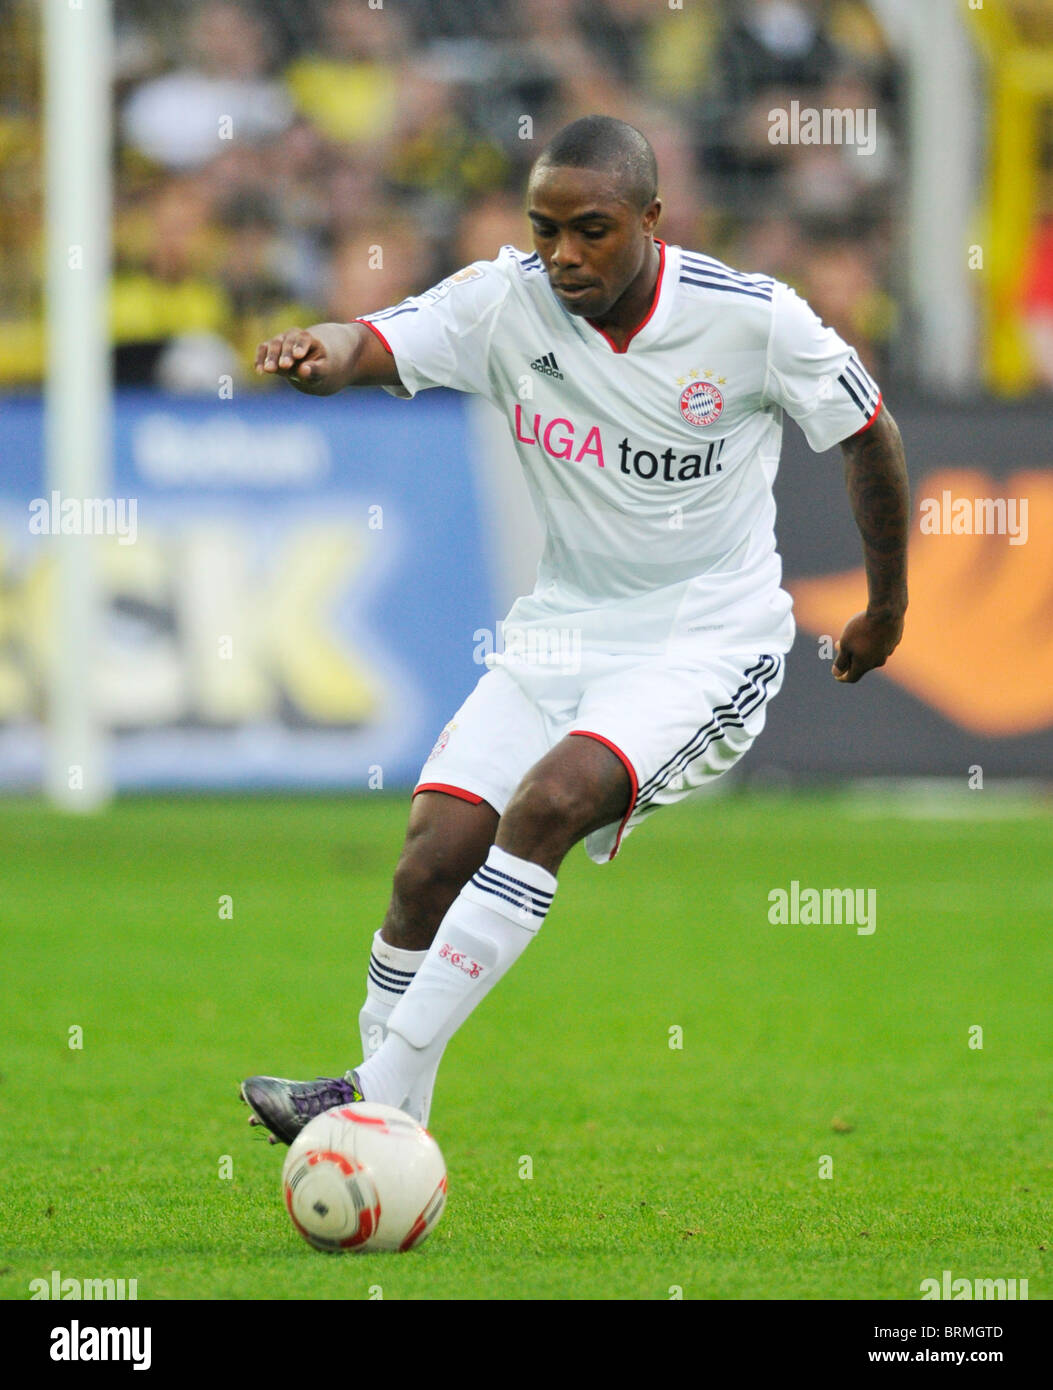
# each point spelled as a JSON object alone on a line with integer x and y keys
{"x": 364, "y": 1177}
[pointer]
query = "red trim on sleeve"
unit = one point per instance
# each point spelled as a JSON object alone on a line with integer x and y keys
{"x": 450, "y": 791}
{"x": 377, "y": 331}
{"x": 634, "y": 785}
{"x": 650, "y": 313}
{"x": 877, "y": 411}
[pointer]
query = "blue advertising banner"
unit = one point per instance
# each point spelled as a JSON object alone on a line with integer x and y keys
{"x": 291, "y": 584}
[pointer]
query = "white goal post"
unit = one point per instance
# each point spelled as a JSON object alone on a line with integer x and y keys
{"x": 77, "y": 124}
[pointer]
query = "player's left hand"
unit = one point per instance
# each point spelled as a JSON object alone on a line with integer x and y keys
{"x": 866, "y": 642}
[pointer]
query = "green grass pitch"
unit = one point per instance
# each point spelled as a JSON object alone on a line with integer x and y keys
{"x": 655, "y": 1168}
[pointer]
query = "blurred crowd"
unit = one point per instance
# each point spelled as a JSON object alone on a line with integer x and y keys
{"x": 292, "y": 161}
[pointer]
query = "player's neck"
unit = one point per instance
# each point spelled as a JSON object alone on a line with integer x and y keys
{"x": 627, "y": 313}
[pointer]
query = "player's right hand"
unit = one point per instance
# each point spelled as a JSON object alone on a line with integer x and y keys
{"x": 300, "y": 357}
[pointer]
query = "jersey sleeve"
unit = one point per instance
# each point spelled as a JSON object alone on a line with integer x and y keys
{"x": 442, "y": 337}
{"x": 815, "y": 376}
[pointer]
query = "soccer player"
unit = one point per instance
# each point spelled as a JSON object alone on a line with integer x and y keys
{"x": 644, "y": 386}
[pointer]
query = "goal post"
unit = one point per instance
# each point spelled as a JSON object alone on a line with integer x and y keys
{"x": 77, "y": 394}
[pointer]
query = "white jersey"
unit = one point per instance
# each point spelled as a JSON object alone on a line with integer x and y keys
{"x": 651, "y": 467}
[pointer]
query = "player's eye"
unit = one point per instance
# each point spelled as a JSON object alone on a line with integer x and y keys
{"x": 542, "y": 231}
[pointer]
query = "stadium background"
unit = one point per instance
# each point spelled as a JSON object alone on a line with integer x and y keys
{"x": 312, "y": 582}
{"x": 351, "y": 558}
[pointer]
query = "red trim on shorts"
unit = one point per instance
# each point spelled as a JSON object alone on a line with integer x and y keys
{"x": 376, "y": 330}
{"x": 450, "y": 791}
{"x": 646, "y": 318}
{"x": 877, "y": 411}
{"x": 633, "y": 780}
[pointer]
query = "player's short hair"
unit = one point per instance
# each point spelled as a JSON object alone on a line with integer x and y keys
{"x": 602, "y": 142}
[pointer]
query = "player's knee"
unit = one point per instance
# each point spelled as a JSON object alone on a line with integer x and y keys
{"x": 549, "y": 809}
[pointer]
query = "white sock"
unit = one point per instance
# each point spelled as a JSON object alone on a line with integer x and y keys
{"x": 490, "y": 924}
{"x": 391, "y": 972}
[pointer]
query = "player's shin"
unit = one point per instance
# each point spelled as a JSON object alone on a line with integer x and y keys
{"x": 490, "y": 924}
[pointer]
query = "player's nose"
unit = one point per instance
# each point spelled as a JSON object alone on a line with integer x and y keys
{"x": 566, "y": 253}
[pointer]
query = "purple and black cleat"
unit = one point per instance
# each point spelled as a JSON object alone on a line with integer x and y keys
{"x": 284, "y": 1107}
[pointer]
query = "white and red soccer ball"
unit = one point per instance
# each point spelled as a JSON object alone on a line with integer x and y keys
{"x": 363, "y": 1178}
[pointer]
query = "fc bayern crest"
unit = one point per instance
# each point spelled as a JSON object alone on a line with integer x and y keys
{"x": 701, "y": 403}
{"x": 441, "y": 742}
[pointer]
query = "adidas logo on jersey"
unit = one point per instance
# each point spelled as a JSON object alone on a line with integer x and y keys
{"x": 547, "y": 366}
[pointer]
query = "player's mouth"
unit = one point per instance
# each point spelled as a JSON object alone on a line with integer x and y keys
{"x": 571, "y": 295}
{"x": 572, "y": 291}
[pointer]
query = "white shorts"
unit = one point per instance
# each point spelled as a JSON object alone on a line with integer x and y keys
{"x": 674, "y": 727}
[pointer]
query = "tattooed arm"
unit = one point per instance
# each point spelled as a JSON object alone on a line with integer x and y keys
{"x": 876, "y": 478}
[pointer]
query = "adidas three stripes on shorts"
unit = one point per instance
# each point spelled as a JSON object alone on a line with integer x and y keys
{"x": 674, "y": 727}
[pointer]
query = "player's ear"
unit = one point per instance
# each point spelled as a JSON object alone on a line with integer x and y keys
{"x": 651, "y": 215}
